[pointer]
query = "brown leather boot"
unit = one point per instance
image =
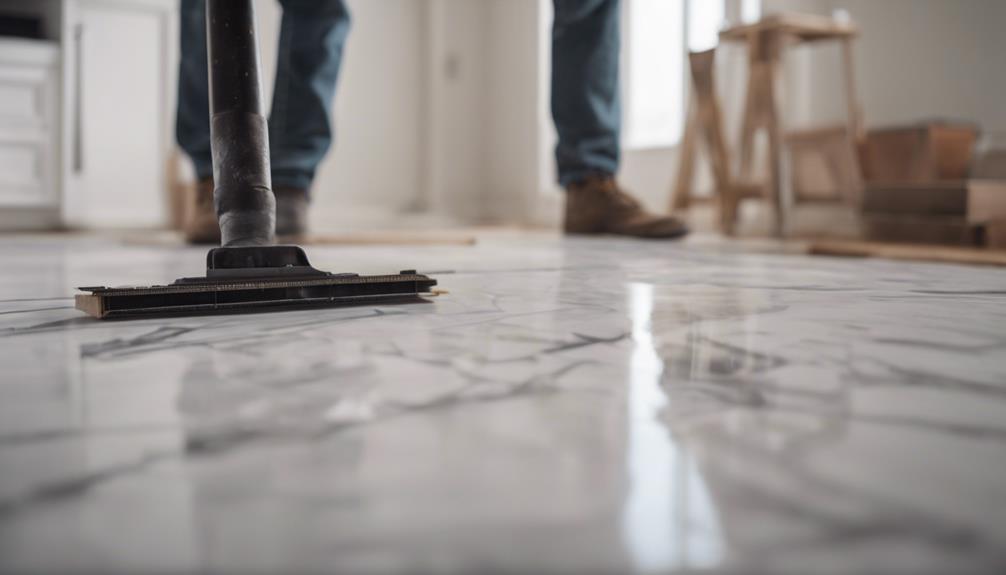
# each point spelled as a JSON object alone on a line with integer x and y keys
{"x": 597, "y": 205}
{"x": 200, "y": 221}
{"x": 291, "y": 211}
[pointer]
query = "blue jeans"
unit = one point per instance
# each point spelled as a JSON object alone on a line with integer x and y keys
{"x": 585, "y": 93}
{"x": 312, "y": 36}
{"x": 586, "y": 104}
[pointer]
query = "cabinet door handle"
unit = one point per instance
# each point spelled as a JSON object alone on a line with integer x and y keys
{"x": 78, "y": 123}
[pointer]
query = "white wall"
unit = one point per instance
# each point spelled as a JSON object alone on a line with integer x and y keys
{"x": 484, "y": 121}
{"x": 436, "y": 111}
{"x": 459, "y": 112}
{"x": 915, "y": 59}
{"x": 515, "y": 97}
{"x": 377, "y": 165}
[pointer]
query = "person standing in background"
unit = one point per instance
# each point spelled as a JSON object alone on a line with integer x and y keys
{"x": 585, "y": 105}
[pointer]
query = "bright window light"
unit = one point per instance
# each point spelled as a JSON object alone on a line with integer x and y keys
{"x": 705, "y": 17}
{"x": 655, "y": 73}
{"x": 750, "y": 11}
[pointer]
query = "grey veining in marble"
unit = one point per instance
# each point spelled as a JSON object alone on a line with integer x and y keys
{"x": 572, "y": 406}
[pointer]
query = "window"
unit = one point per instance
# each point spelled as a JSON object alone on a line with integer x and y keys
{"x": 750, "y": 10}
{"x": 655, "y": 72}
{"x": 705, "y": 18}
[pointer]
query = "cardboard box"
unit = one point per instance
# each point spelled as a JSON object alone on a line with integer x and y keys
{"x": 939, "y": 199}
{"x": 922, "y": 230}
{"x": 967, "y": 213}
{"x": 978, "y": 201}
{"x": 990, "y": 165}
{"x": 923, "y": 153}
{"x": 995, "y": 235}
{"x": 986, "y": 201}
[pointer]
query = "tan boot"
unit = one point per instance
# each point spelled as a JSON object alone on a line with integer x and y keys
{"x": 291, "y": 212}
{"x": 200, "y": 223}
{"x": 598, "y": 206}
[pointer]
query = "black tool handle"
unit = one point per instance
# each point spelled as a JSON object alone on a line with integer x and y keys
{"x": 245, "y": 204}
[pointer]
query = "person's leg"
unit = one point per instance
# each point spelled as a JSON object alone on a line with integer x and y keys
{"x": 312, "y": 37}
{"x": 586, "y": 105}
{"x": 192, "y": 122}
{"x": 586, "y": 108}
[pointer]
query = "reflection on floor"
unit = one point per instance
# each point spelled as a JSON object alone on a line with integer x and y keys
{"x": 571, "y": 406}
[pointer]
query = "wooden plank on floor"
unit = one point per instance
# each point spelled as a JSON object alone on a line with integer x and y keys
{"x": 909, "y": 252}
{"x": 349, "y": 238}
{"x": 402, "y": 238}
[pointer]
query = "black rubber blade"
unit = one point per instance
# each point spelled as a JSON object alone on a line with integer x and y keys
{"x": 198, "y": 296}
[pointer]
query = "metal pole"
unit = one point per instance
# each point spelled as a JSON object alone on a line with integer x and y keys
{"x": 246, "y": 207}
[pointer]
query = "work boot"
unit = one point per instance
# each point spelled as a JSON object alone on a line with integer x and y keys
{"x": 200, "y": 222}
{"x": 291, "y": 211}
{"x": 597, "y": 205}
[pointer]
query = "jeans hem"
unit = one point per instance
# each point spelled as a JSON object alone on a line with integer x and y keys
{"x": 568, "y": 178}
{"x": 295, "y": 181}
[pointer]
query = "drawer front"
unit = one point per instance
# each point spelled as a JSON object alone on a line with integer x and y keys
{"x": 23, "y": 178}
{"x": 24, "y": 93}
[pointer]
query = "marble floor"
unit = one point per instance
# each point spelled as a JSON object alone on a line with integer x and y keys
{"x": 571, "y": 406}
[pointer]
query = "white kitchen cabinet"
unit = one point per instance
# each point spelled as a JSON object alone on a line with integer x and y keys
{"x": 121, "y": 96}
{"x": 86, "y": 116}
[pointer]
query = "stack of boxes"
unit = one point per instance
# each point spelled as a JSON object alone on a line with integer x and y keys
{"x": 924, "y": 184}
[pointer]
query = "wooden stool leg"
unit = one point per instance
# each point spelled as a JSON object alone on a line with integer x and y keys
{"x": 682, "y": 195}
{"x": 855, "y": 111}
{"x": 854, "y": 191}
{"x": 728, "y": 204}
{"x": 750, "y": 121}
{"x": 720, "y": 159}
{"x": 774, "y": 128}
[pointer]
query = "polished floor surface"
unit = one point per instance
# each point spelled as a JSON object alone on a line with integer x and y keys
{"x": 571, "y": 406}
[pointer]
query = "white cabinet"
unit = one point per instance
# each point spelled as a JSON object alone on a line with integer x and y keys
{"x": 86, "y": 116}
{"x": 122, "y": 98}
